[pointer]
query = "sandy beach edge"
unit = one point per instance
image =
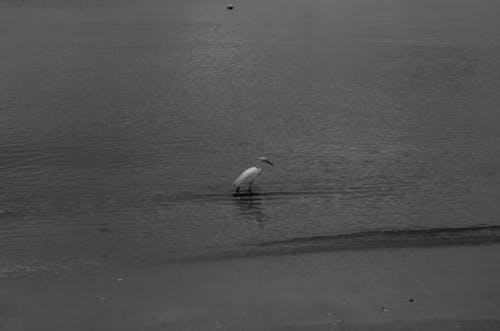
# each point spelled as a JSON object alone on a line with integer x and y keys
{"x": 437, "y": 288}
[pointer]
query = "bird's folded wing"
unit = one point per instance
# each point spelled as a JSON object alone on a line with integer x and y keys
{"x": 246, "y": 176}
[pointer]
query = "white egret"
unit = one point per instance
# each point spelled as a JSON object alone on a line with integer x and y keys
{"x": 248, "y": 176}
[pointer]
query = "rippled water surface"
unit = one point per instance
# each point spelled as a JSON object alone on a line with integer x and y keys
{"x": 124, "y": 123}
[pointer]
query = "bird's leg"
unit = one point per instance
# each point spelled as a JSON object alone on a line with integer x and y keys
{"x": 250, "y": 187}
{"x": 237, "y": 189}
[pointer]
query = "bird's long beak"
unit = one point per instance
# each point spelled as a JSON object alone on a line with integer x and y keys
{"x": 269, "y": 162}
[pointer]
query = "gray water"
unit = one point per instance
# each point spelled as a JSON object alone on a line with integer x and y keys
{"x": 124, "y": 123}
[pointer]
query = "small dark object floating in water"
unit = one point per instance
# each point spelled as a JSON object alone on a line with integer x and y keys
{"x": 230, "y": 7}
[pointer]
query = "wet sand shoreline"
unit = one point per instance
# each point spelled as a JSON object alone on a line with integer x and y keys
{"x": 364, "y": 240}
{"x": 437, "y": 288}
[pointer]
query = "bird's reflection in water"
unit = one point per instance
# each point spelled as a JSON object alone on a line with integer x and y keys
{"x": 250, "y": 205}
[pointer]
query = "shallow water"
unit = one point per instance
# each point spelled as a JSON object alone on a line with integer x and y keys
{"x": 123, "y": 124}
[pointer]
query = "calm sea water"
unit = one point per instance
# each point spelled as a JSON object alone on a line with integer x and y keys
{"x": 124, "y": 123}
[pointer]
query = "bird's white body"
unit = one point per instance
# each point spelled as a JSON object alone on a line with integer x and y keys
{"x": 249, "y": 176}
